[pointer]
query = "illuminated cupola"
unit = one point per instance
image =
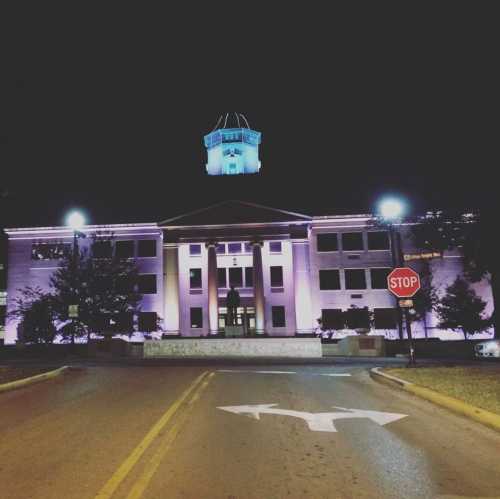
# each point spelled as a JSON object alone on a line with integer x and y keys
{"x": 232, "y": 147}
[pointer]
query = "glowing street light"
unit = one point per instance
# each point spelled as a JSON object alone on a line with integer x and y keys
{"x": 75, "y": 220}
{"x": 391, "y": 209}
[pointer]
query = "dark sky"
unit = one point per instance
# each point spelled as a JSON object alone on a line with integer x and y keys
{"x": 105, "y": 108}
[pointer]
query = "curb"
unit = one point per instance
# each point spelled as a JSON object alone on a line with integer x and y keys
{"x": 19, "y": 383}
{"x": 482, "y": 416}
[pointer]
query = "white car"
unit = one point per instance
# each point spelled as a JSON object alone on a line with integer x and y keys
{"x": 490, "y": 348}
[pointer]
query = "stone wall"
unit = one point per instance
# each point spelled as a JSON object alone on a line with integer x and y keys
{"x": 235, "y": 347}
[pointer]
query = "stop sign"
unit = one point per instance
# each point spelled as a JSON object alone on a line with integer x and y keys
{"x": 403, "y": 282}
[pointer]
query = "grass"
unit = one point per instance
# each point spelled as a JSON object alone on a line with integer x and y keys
{"x": 479, "y": 386}
{"x": 8, "y": 374}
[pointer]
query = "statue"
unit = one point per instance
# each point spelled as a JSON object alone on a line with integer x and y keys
{"x": 232, "y": 303}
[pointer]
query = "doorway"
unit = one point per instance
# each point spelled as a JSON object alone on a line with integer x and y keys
{"x": 245, "y": 316}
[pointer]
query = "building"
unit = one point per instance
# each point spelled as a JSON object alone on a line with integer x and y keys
{"x": 290, "y": 269}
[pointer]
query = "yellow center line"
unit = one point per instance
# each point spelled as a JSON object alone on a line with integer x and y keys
{"x": 143, "y": 481}
{"x": 119, "y": 475}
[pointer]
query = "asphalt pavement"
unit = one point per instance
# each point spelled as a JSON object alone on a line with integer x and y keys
{"x": 235, "y": 432}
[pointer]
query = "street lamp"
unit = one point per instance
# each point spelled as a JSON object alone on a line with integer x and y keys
{"x": 75, "y": 221}
{"x": 392, "y": 210}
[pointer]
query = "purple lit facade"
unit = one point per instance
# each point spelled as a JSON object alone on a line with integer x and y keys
{"x": 290, "y": 269}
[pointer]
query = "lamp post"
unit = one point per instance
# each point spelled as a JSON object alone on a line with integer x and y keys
{"x": 75, "y": 220}
{"x": 392, "y": 210}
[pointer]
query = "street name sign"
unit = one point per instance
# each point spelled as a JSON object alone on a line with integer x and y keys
{"x": 406, "y": 303}
{"x": 316, "y": 421}
{"x": 403, "y": 282}
{"x": 422, "y": 256}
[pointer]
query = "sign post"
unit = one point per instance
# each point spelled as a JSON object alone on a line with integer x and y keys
{"x": 404, "y": 282}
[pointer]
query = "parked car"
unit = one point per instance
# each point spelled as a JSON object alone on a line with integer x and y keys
{"x": 490, "y": 348}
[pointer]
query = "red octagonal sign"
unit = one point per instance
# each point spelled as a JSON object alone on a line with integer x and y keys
{"x": 403, "y": 282}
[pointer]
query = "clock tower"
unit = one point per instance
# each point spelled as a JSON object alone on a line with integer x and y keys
{"x": 232, "y": 147}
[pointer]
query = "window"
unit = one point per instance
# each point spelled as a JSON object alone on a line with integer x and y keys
{"x": 358, "y": 318}
{"x": 196, "y": 317}
{"x": 385, "y": 318}
{"x": 146, "y": 247}
{"x": 195, "y": 249}
{"x": 352, "y": 241}
{"x": 275, "y": 246}
{"x": 148, "y": 322}
{"x": 378, "y": 240}
{"x": 236, "y": 277}
{"x": 355, "y": 279}
{"x": 278, "y": 314}
{"x": 124, "y": 322}
{"x": 329, "y": 279}
{"x": 332, "y": 318}
{"x": 124, "y": 249}
{"x": 195, "y": 278}
{"x": 147, "y": 284}
{"x": 40, "y": 251}
{"x": 234, "y": 248}
{"x": 327, "y": 242}
{"x": 124, "y": 284}
{"x": 276, "y": 277}
{"x": 220, "y": 249}
{"x": 379, "y": 278}
{"x": 248, "y": 247}
{"x": 221, "y": 278}
{"x": 249, "y": 277}
{"x": 101, "y": 249}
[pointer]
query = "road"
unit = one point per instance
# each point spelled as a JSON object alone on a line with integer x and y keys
{"x": 159, "y": 432}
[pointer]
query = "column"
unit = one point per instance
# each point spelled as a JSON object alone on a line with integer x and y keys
{"x": 213, "y": 295}
{"x": 302, "y": 286}
{"x": 258, "y": 287}
{"x": 171, "y": 288}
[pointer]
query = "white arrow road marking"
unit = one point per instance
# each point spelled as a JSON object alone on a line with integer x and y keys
{"x": 319, "y": 421}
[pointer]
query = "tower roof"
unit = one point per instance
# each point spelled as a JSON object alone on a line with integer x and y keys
{"x": 231, "y": 120}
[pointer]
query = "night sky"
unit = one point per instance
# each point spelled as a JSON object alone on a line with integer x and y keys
{"x": 105, "y": 110}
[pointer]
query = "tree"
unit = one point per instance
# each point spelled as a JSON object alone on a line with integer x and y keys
{"x": 426, "y": 298}
{"x": 104, "y": 288}
{"x": 36, "y": 311}
{"x": 461, "y": 309}
{"x": 473, "y": 235}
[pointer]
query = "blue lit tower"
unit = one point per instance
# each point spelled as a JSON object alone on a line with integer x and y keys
{"x": 232, "y": 147}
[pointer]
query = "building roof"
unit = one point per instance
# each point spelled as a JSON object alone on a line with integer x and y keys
{"x": 234, "y": 213}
